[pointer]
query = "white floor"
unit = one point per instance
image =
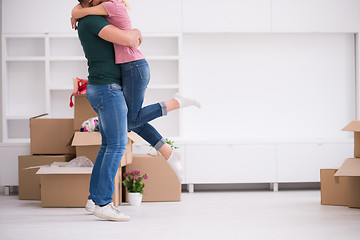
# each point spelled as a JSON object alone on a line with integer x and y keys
{"x": 243, "y": 215}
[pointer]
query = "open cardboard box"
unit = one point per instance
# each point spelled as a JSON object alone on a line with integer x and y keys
{"x": 69, "y": 186}
{"x": 29, "y": 182}
{"x": 334, "y": 190}
{"x": 354, "y": 126}
{"x": 88, "y": 144}
{"x": 351, "y": 169}
{"x": 51, "y": 135}
{"x": 82, "y": 111}
{"x": 342, "y": 186}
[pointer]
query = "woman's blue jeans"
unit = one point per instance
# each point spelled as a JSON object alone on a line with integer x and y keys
{"x": 109, "y": 103}
{"x": 135, "y": 78}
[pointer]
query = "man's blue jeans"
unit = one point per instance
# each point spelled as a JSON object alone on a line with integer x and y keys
{"x": 135, "y": 78}
{"x": 109, "y": 103}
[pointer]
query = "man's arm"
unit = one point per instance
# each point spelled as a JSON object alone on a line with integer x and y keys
{"x": 80, "y": 12}
{"x": 128, "y": 38}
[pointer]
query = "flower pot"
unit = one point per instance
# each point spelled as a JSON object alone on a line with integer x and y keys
{"x": 135, "y": 199}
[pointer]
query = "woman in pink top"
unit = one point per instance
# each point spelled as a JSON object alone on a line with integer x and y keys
{"x": 135, "y": 78}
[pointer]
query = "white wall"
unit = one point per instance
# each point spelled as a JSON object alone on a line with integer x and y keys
{"x": 261, "y": 86}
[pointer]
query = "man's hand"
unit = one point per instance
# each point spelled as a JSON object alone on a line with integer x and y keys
{"x": 73, "y": 23}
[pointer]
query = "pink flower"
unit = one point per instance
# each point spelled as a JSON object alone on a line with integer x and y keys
{"x": 145, "y": 176}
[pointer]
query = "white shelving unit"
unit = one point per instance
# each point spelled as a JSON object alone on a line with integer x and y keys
{"x": 38, "y": 70}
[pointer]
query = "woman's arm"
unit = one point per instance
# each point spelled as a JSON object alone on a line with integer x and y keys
{"x": 80, "y": 12}
{"x": 128, "y": 38}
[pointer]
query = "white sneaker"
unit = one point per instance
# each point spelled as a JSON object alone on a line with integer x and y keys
{"x": 110, "y": 212}
{"x": 175, "y": 163}
{"x": 90, "y": 206}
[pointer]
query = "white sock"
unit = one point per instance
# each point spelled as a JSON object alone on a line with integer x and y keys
{"x": 186, "y": 102}
{"x": 175, "y": 163}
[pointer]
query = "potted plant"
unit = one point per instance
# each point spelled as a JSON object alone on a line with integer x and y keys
{"x": 134, "y": 186}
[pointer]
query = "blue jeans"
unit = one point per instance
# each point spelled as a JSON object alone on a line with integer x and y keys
{"x": 109, "y": 103}
{"x": 135, "y": 78}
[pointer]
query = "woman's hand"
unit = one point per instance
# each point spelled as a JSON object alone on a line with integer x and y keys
{"x": 73, "y": 23}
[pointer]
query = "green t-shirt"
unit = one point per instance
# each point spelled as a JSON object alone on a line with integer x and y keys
{"x": 99, "y": 53}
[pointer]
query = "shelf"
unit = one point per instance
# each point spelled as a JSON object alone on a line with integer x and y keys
{"x": 68, "y": 58}
{"x": 24, "y": 59}
{"x": 18, "y": 141}
{"x": 19, "y": 117}
{"x": 65, "y": 47}
{"x": 24, "y": 46}
{"x": 61, "y": 88}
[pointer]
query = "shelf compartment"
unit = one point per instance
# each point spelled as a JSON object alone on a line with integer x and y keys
{"x": 18, "y": 128}
{"x": 26, "y": 88}
{"x": 60, "y": 100}
{"x": 164, "y": 72}
{"x": 63, "y": 72}
{"x": 25, "y": 47}
{"x": 65, "y": 46}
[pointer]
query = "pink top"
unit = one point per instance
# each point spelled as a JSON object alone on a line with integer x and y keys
{"x": 118, "y": 16}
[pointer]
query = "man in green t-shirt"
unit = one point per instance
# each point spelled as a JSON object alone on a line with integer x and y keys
{"x": 105, "y": 96}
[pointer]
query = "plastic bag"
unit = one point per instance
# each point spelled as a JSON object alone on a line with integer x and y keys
{"x": 81, "y": 161}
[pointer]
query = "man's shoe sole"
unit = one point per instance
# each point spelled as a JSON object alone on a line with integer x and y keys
{"x": 112, "y": 219}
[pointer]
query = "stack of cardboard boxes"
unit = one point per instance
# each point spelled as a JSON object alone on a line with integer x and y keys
{"x": 49, "y": 142}
{"x": 60, "y": 140}
{"x": 342, "y": 186}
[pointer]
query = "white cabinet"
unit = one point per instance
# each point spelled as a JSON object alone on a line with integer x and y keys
{"x": 38, "y": 70}
{"x": 156, "y": 16}
{"x": 226, "y": 16}
{"x": 315, "y": 16}
{"x": 302, "y": 162}
{"x": 9, "y": 162}
{"x": 220, "y": 163}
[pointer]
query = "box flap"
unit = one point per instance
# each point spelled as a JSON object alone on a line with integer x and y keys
{"x": 86, "y": 139}
{"x": 39, "y": 116}
{"x": 134, "y": 137}
{"x": 350, "y": 168}
{"x": 94, "y": 138}
{"x": 353, "y": 126}
{"x": 64, "y": 170}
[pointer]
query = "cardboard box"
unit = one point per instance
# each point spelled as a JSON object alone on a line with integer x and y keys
{"x": 69, "y": 186}
{"x": 334, "y": 190}
{"x": 162, "y": 184}
{"x": 29, "y": 182}
{"x": 82, "y": 111}
{"x": 88, "y": 144}
{"x": 51, "y": 136}
{"x": 354, "y": 126}
{"x": 351, "y": 169}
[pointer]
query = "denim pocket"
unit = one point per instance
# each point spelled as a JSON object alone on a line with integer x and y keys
{"x": 144, "y": 71}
